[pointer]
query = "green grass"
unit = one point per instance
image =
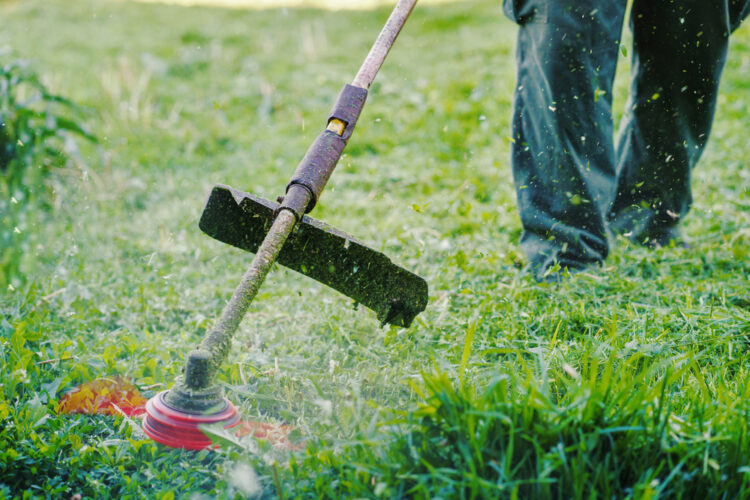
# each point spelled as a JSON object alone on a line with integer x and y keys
{"x": 625, "y": 381}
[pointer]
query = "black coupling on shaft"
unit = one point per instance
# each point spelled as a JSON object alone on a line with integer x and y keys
{"x": 198, "y": 372}
{"x": 296, "y": 200}
{"x": 195, "y": 391}
{"x": 321, "y": 158}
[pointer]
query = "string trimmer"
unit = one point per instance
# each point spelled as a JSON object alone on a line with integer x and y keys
{"x": 281, "y": 232}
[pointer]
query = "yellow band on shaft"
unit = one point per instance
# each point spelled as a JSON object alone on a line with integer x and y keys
{"x": 336, "y": 125}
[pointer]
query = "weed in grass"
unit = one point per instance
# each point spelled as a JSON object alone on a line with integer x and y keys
{"x": 37, "y": 131}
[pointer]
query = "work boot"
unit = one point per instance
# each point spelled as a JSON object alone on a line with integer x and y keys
{"x": 640, "y": 226}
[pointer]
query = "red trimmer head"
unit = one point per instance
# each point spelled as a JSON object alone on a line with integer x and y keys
{"x": 179, "y": 429}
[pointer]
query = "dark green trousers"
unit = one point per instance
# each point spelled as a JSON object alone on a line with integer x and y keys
{"x": 572, "y": 183}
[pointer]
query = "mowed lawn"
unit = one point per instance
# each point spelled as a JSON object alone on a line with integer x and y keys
{"x": 627, "y": 381}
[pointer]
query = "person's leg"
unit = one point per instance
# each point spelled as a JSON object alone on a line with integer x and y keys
{"x": 563, "y": 151}
{"x": 679, "y": 50}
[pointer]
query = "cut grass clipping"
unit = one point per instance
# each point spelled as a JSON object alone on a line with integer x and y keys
{"x": 628, "y": 381}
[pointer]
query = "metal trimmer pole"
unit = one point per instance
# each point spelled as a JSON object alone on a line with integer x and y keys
{"x": 383, "y": 44}
{"x": 195, "y": 390}
{"x": 217, "y": 342}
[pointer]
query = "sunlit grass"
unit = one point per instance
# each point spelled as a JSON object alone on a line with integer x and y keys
{"x": 274, "y": 4}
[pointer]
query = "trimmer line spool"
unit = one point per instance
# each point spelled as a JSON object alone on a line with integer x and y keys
{"x": 178, "y": 428}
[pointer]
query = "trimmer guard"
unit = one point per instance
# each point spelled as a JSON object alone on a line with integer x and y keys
{"x": 321, "y": 252}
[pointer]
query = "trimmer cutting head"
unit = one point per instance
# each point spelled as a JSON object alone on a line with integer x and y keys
{"x": 179, "y": 429}
{"x": 321, "y": 252}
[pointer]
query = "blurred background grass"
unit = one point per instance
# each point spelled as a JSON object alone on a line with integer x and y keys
{"x": 274, "y": 4}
